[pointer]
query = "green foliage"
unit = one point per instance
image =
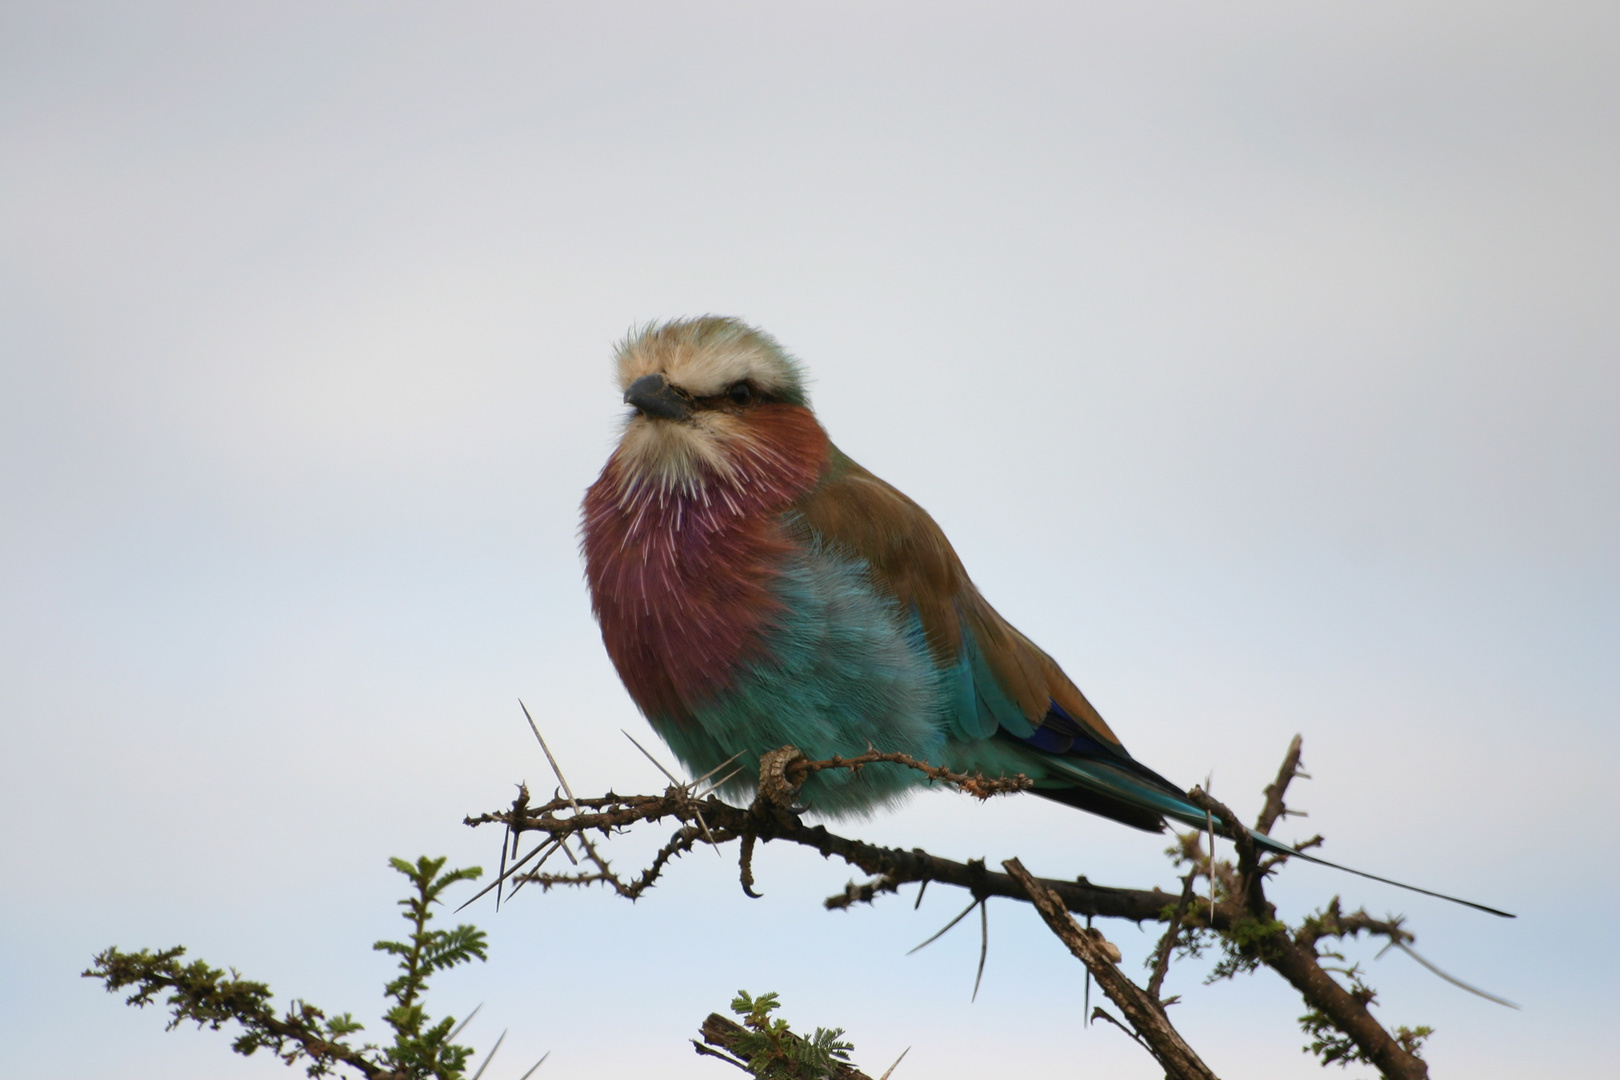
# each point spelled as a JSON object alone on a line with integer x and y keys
{"x": 421, "y": 1050}
{"x": 1243, "y": 946}
{"x": 1334, "y": 1047}
{"x": 212, "y": 997}
{"x": 1246, "y": 943}
{"x": 1190, "y": 942}
{"x": 773, "y": 1052}
{"x": 1411, "y": 1039}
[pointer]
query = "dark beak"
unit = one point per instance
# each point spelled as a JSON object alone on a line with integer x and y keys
{"x": 653, "y": 396}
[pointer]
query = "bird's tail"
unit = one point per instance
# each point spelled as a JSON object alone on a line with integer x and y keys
{"x": 1140, "y": 787}
{"x": 1264, "y": 841}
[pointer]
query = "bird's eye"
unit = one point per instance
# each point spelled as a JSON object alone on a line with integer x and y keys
{"x": 741, "y": 393}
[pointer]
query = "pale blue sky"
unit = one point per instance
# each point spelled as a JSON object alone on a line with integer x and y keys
{"x": 1259, "y": 358}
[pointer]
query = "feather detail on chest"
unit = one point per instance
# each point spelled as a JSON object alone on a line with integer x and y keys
{"x": 681, "y": 562}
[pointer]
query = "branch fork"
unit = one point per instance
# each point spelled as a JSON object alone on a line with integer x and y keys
{"x": 1239, "y": 913}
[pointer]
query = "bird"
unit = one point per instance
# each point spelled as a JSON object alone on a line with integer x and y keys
{"x": 755, "y": 587}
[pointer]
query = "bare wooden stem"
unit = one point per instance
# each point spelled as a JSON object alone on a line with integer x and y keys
{"x": 1296, "y": 959}
{"x": 772, "y": 816}
{"x": 1167, "y": 943}
{"x": 1141, "y": 1009}
{"x": 1275, "y": 809}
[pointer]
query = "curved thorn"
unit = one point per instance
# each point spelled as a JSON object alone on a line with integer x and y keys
{"x": 509, "y": 873}
{"x": 1452, "y": 979}
{"x": 501, "y": 876}
{"x": 649, "y": 757}
{"x": 450, "y": 1037}
{"x": 709, "y": 834}
{"x": 490, "y": 1057}
{"x": 896, "y": 1065}
{"x": 984, "y": 945}
{"x": 716, "y": 785}
{"x": 717, "y": 768}
{"x": 553, "y": 761}
{"x": 947, "y": 926}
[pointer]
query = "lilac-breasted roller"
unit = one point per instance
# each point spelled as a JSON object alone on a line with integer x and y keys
{"x": 757, "y": 588}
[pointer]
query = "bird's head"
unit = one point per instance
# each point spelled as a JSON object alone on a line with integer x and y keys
{"x": 705, "y": 392}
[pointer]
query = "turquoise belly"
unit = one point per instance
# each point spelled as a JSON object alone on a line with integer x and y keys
{"x": 843, "y": 670}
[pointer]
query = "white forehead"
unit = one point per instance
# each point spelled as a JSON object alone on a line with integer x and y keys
{"x": 705, "y": 356}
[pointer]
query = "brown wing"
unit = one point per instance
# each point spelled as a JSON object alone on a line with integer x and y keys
{"x": 909, "y": 556}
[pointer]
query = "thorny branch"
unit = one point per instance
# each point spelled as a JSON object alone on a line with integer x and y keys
{"x": 1258, "y": 937}
{"x": 773, "y": 819}
{"x": 1142, "y": 1010}
{"x": 1275, "y": 809}
{"x": 1240, "y": 916}
{"x": 798, "y": 770}
{"x": 1172, "y": 935}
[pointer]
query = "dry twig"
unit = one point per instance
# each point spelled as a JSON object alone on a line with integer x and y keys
{"x": 1294, "y": 956}
{"x": 1244, "y": 918}
{"x": 1101, "y": 958}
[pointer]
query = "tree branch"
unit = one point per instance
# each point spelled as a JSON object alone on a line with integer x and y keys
{"x": 1245, "y": 920}
{"x": 771, "y": 818}
{"x": 730, "y": 1036}
{"x": 1275, "y": 810}
{"x": 1263, "y": 938}
{"x": 1167, "y": 943}
{"x": 1101, "y": 958}
{"x": 730, "y": 822}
